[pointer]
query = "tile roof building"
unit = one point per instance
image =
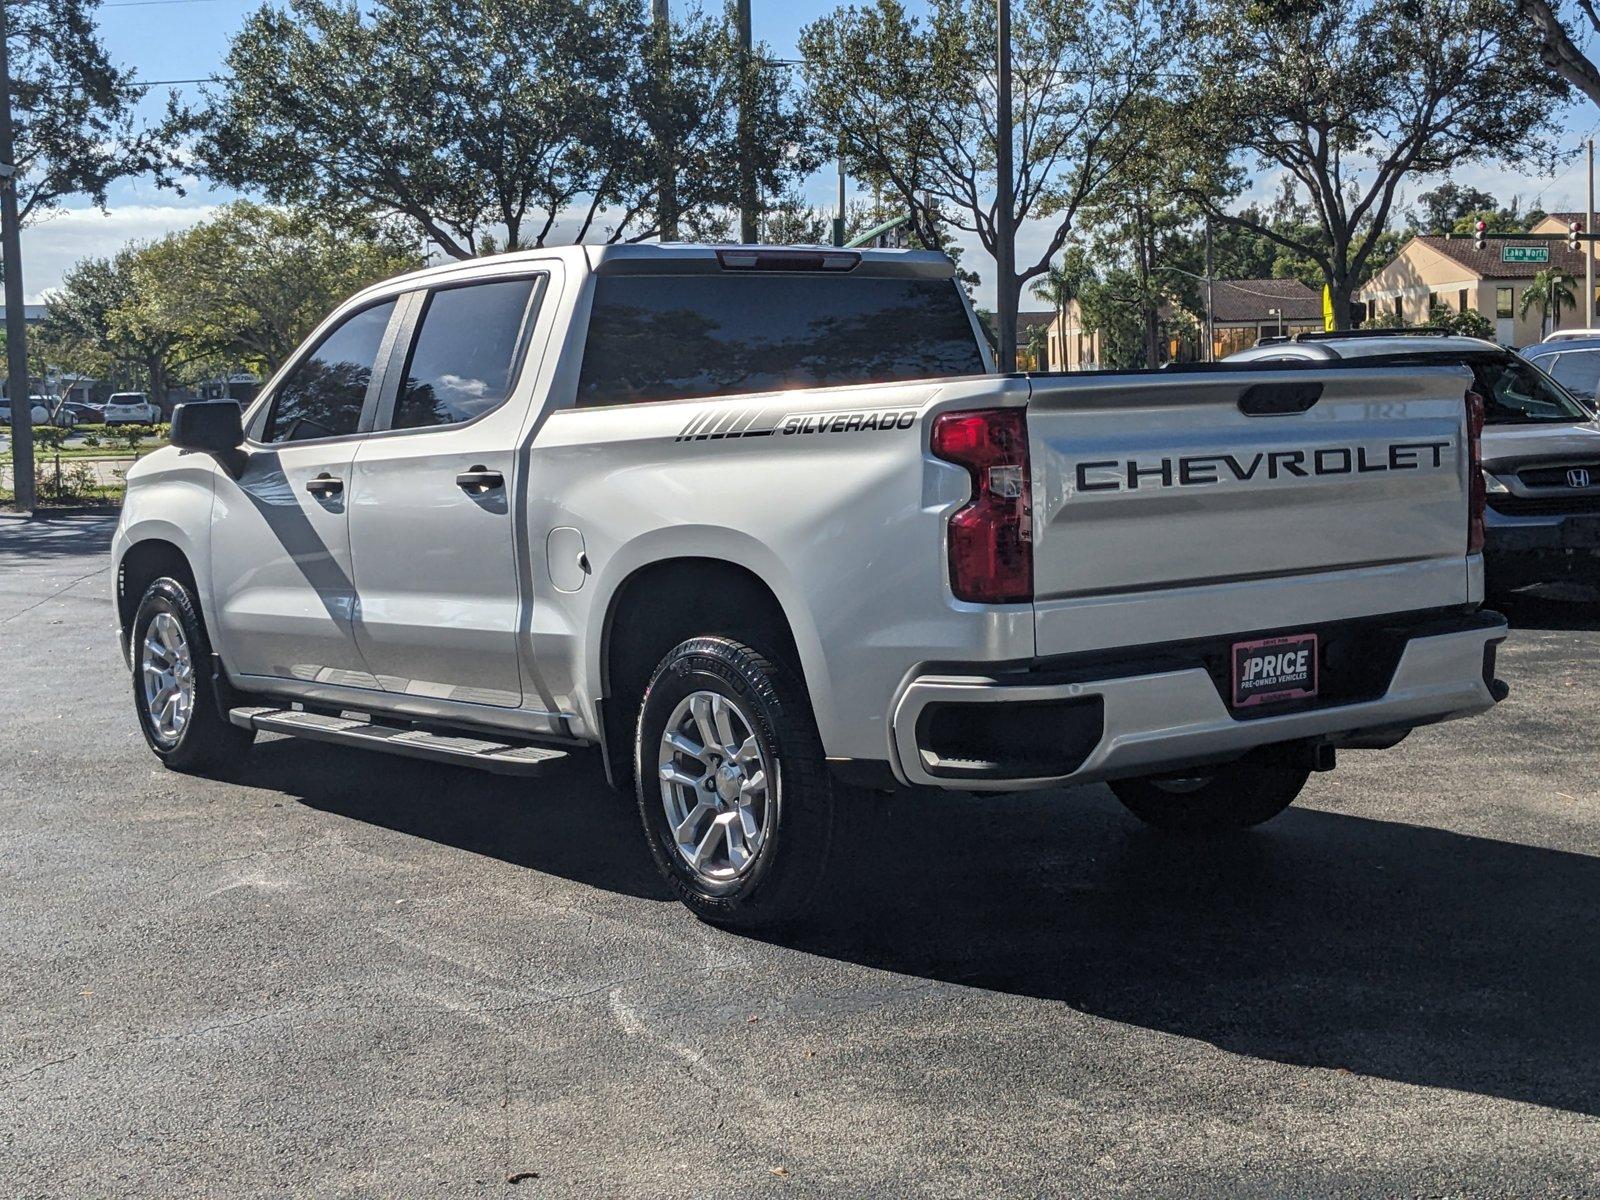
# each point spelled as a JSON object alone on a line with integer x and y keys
{"x": 1451, "y": 271}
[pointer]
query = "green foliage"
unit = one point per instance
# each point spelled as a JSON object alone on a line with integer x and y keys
{"x": 72, "y": 482}
{"x": 73, "y": 109}
{"x": 1383, "y": 320}
{"x": 1467, "y": 324}
{"x": 1550, "y": 292}
{"x": 1039, "y": 347}
{"x": 49, "y": 437}
{"x": 466, "y": 116}
{"x": 245, "y": 288}
{"x": 240, "y": 290}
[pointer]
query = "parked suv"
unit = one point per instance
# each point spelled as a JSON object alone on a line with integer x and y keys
{"x": 131, "y": 408}
{"x": 763, "y": 528}
{"x": 1573, "y": 362}
{"x": 44, "y": 410}
{"x": 1541, "y": 445}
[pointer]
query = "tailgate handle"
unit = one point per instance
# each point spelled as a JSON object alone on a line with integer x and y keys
{"x": 1279, "y": 399}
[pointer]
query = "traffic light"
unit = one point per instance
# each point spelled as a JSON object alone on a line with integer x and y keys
{"x": 1480, "y": 228}
{"x": 1572, "y": 235}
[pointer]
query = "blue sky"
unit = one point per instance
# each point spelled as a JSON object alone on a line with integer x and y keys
{"x": 186, "y": 39}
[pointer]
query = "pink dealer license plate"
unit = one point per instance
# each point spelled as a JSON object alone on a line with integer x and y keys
{"x": 1280, "y": 668}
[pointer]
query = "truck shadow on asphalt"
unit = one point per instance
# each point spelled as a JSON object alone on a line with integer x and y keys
{"x": 1537, "y": 613}
{"x": 1320, "y": 940}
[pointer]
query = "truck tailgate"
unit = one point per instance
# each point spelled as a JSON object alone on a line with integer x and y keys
{"x": 1188, "y": 504}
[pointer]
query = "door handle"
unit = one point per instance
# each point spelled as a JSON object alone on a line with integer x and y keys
{"x": 324, "y": 485}
{"x": 479, "y": 480}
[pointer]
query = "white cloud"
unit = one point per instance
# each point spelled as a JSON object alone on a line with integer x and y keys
{"x": 53, "y": 244}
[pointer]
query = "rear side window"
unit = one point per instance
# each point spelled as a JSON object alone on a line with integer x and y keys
{"x": 323, "y": 396}
{"x": 465, "y": 354}
{"x": 1578, "y": 371}
{"x": 677, "y": 337}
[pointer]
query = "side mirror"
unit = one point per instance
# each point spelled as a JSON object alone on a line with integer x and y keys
{"x": 210, "y": 426}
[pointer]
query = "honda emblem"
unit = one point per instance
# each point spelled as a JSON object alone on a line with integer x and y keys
{"x": 1578, "y": 477}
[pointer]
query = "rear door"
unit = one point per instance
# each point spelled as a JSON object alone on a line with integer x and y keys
{"x": 1182, "y": 505}
{"x": 431, "y": 521}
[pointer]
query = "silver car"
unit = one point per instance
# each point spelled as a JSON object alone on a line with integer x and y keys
{"x": 1541, "y": 441}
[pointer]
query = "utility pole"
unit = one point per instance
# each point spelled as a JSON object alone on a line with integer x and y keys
{"x": 1588, "y": 250}
{"x": 1005, "y": 251}
{"x": 839, "y": 222}
{"x": 666, "y": 150}
{"x": 747, "y": 166}
{"x": 1211, "y": 320}
{"x": 16, "y": 319}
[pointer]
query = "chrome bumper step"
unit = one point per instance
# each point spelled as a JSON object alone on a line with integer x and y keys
{"x": 503, "y": 758}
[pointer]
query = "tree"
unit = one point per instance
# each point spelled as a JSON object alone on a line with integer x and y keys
{"x": 913, "y": 102}
{"x": 1559, "y": 39}
{"x": 1115, "y": 307}
{"x": 109, "y": 309}
{"x": 247, "y": 286}
{"x": 1439, "y": 210}
{"x": 1466, "y": 324}
{"x": 240, "y": 290}
{"x": 1350, "y": 97}
{"x": 1549, "y": 292}
{"x": 1060, "y": 285}
{"x": 465, "y": 116}
{"x": 73, "y": 109}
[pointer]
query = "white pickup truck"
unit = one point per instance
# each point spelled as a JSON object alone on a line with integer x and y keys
{"x": 763, "y": 526}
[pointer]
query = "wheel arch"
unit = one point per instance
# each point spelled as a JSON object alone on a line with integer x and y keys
{"x": 145, "y": 560}
{"x": 662, "y": 602}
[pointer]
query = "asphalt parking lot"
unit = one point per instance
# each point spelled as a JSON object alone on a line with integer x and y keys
{"x": 343, "y": 974}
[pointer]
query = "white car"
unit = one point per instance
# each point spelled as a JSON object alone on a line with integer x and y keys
{"x": 131, "y": 408}
{"x": 762, "y": 527}
{"x": 44, "y": 410}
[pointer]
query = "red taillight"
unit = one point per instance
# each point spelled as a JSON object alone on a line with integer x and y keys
{"x": 1476, "y": 498}
{"x": 991, "y": 536}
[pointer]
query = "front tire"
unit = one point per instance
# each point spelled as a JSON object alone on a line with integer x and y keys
{"x": 736, "y": 799}
{"x": 1234, "y": 796}
{"x": 173, "y": 692}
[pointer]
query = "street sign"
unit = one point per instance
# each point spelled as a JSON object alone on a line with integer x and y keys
{"x": 1524, "y": 254}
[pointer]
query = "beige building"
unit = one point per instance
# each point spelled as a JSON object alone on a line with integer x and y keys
{"x": 1072, "y": 347}
{"x": 1450, "y": 271}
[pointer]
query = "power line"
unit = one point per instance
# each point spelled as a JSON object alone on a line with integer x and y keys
{"x": 147, "y": 3}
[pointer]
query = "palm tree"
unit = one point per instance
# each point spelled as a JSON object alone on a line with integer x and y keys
{"x": 1059, "y": 287}
{"x": 1549, "y": 292}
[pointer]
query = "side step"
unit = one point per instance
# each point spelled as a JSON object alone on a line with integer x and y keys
{"x": 503, "y": 758}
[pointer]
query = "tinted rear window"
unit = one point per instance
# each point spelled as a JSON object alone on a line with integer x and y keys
{"x": 674, "y": 337}
{"x": 1517, "y": 394}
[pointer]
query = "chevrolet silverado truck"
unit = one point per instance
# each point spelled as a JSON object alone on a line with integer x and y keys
{"x": 764, "y": 528}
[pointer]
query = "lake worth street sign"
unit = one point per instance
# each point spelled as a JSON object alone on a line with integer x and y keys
{"x": 1524, "y": 254}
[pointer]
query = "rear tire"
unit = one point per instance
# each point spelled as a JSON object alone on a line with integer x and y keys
{"x": 174, "y": 694}
{"x": 736, "y": 799}
{"x": 1234, "y": 796}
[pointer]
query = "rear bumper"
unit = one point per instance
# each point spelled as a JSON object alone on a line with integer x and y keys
{"x": 1523, "y": 550}
{"x": 1079, "y": 724}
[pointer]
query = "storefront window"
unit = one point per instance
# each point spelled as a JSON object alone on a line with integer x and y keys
{"x": 1503, "y": 298}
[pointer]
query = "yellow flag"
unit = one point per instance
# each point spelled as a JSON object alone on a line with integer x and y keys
{"x": 1327, "y": 308}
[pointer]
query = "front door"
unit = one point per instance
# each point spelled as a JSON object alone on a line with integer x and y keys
{"x": 280, "y": 541}
{"x": 431, "y": 527}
